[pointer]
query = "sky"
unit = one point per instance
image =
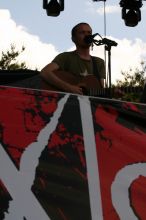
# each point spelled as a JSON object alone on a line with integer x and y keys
{"x": 25, "y": 23}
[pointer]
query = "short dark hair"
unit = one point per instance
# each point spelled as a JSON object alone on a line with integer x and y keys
{"x": 73, "y": 31}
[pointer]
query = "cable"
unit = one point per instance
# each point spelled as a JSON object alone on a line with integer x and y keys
{"x": 104, "y": 19}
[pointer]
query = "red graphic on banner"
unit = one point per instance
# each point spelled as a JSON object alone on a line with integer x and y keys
{"x": 121, "y": 141}
{"x": 21, "y": 119}
{"x": 61, "y": 182}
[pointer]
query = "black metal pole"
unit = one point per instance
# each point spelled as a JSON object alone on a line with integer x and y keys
{"x": 108, "y": 48}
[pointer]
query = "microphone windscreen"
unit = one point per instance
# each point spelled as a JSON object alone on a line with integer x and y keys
{"x": 88, "y": 39}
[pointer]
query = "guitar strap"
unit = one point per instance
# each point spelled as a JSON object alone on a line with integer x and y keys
{"x": 95, "y": 70}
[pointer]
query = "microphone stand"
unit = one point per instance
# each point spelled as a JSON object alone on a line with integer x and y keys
{"x": 108, "y": 49}
{"x": 108, "y": 44}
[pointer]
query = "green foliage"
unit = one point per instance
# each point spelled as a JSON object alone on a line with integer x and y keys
{"x": 8, "y": 60}
{"x": 133, "y": 78}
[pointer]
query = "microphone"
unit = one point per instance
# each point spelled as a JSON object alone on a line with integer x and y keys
{"x": 90, "y": 38}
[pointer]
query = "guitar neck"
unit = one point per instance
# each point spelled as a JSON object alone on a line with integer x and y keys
{"x": 90, "y": 85}
{"x": 110, "y": 92}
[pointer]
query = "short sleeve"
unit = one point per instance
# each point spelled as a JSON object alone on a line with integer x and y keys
{"x": 61, "y": 59}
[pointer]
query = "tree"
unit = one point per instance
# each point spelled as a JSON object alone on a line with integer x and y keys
{"x": 133, "y": 79}
{"x": 9, "y": 61}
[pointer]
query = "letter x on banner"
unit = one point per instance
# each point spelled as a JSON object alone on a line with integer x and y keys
{"x": 68, "y": 157}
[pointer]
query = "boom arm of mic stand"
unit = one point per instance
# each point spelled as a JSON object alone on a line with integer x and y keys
{"x": 97, "y": 42}
{"x": 109, "y": 42}
{"x": 105, "y": 41}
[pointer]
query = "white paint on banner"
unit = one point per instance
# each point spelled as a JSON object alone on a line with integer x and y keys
{"x": 120, "y": 189}
{"x": 91, "y": 158}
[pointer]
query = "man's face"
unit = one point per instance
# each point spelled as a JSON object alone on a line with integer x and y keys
{"x": 82, "y": 31}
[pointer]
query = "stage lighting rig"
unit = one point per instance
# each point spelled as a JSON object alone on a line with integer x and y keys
{"x": 131, "y": 11}
{"x": 53, "y": 7}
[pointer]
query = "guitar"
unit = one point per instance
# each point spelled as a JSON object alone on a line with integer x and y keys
{"x": 89, "y": 84}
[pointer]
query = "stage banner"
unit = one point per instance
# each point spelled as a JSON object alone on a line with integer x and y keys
{"x": 69, "y": 157}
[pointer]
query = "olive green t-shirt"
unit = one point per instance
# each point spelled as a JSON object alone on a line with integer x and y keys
{"x": 71, "y": 62}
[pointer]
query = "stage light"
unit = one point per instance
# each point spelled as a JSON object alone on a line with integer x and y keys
{"x": 131, "y": 17}
{"x": 53, "y": 7}
{"x": 131, "y": 11}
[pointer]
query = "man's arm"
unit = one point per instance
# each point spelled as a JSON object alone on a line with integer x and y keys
{"x": 48, "y": 75}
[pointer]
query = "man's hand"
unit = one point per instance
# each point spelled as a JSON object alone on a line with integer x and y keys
{"x": 75, "y": 89}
